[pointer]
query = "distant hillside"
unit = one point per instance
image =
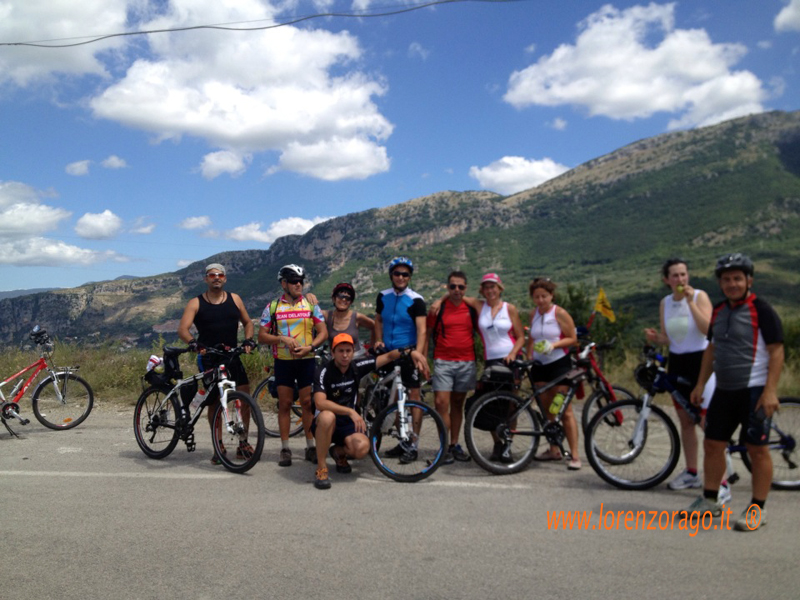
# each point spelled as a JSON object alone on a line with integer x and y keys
{"x": 609, "y": 222}
{"x": 15, "y": 293}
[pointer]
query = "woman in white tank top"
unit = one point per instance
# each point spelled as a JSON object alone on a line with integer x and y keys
{"x": 685, "y": 314}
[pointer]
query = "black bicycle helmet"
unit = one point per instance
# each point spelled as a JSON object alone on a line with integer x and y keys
{"x": 291, "y": 272}
{"x": 344, "y": 287}
{"x": 734, "y": 262}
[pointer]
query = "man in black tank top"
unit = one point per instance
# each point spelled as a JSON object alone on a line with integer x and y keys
{"x": 216, "y": 315}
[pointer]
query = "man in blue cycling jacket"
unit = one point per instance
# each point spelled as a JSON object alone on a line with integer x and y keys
{"x": 400, "y": 322}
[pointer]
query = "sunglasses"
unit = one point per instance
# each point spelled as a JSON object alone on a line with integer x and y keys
{"x": 457, "y": 286}
{"x": 215, "y": 275}
{"x": 344, "y": 297}
{"x": 293, "y": 281}
{"x": 404, "y": 274}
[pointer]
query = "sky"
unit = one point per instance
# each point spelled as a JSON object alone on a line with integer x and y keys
{"x": 139, "y": 154}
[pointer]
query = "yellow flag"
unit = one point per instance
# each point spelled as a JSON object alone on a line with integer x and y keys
{"x": 603, "y": 306}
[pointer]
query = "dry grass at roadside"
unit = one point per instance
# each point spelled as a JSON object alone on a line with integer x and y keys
{"x": 116, "y": 375}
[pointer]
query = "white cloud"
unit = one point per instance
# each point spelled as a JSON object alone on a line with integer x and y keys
{"x": 530, "y": 49}
{"x": 416, "y": 50}
{"x": 142, "y": 227}
{"x": 183, "y": 263}
{"x": 764, "y": 44}
{"x": 558, "y": 124}
{"x": 633, "y": 63}
{"x": 114, "y": 162}
{"x": 512, "y": 174}
{"x": 789, "y": 17}
{"x": 44, "y": 252}
{"x": 252, "y": 232}
{"x": 78, "y": 168}
{"x": 246, "y": 93}
{"x": 334, "y": 159}
{"x": 35, "y": 20}
{"x": 195, "y": 223}
{"x": 21, "y": 213}
{"x": 23, "y": 220}
{"x": 98, "y": 226}
{"x": 224, "y": 161}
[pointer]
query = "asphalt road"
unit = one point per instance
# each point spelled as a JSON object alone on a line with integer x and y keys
{"x": 86, "y": 515}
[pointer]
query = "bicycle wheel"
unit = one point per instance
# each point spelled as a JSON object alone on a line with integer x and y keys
{"x": 500, "y": 438}
{"x": 238, "y": 441}
{"x": 154, "y": 423}
{"x": 426, "y": 448}
{"x": 598, "y": 400}
{"x": 627, "y": 463}
{"x": 63, "y": 402}
{"x": 269, "y": 409}
{"x": 783, "y": 438}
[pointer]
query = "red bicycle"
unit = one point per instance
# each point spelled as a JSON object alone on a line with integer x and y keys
{"x": 62, "y": 400}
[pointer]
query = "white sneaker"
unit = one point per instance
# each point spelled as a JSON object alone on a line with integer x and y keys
{"x": 750, "y": 520}
{"x": 702, "y": 505}
{"x": 724, "y": 496}
{"x": 684, "y": 481}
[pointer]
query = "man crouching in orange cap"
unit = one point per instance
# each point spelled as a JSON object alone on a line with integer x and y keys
{"x": 335, "y": 392}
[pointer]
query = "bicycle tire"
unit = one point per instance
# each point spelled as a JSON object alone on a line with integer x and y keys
{"x": 487, "y": 425}
{"x": 77, "y": 400}
{"x": 598, "y": 400}
{"x": 376, "y": 398}
{"x": 269, "y": 409}
{"x": 228, "y": 444}
{"x": 634, "y": 466}
{"x": 430, "y": 444}
{"x": 783, "y": 448}
{"x": 154, "y": 423}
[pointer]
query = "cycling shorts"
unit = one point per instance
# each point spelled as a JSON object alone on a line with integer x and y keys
{"x": 343, "y": 429}
{"x": 731, "y": 408}
{"x": 551, "y": 371}
{"x": 291, "y": 372}
{"x": 235, "y": 368}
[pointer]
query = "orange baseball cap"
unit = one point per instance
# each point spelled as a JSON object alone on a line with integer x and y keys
{"x": 342, "y": 337}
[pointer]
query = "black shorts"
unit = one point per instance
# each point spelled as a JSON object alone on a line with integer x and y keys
{"x": 235, "y": 368}
{"x": 731, "y": 408}
{"x": 686, "y": 366}
{"x": 291, "y": 372}
{"x": 409, "y": 374}
{"x": 344, "y": 429}
{"x": 551, "y": 371}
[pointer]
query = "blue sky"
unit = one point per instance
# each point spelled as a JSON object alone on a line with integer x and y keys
{"x": 137, "y": 155}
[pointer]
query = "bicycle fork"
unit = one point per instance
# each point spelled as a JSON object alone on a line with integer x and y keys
{"x": 234, "y": 426}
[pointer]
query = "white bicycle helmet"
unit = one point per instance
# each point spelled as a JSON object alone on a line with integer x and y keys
{"x": 291, "y": 271}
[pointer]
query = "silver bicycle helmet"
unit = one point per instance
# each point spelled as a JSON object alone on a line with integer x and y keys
{"x": 291, "y": 272}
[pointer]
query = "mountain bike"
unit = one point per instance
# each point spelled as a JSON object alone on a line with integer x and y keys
{"x": 417, "y": 429}
{"x": 62, "y": 400}
{"x": 503, "y": 430}
{"x": 266, "y": 396}
{"x": 163, "y": 416}
{"x": 603, "y": 392}
{"x": 634, "y": 445}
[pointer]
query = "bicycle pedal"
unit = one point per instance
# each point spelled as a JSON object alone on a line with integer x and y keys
{"x": 24, "y": 421}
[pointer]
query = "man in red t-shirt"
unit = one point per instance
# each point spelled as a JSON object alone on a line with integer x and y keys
{"x": 451, "y": 330}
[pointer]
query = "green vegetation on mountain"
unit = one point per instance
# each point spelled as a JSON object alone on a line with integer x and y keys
{"x": 609, "y": 222}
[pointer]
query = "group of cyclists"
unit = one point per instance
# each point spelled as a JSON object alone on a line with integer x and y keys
{"x": 729, "y": 358}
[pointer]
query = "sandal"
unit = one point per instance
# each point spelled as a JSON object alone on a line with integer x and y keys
{"x": 548, "y": 455}
{"x": 574, "y": 464}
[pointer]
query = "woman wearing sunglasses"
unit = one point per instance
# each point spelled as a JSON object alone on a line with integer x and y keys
{"x": 343, "y": 319}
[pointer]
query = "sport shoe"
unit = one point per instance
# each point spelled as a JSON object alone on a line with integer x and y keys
{"x": 215, "y": 459}
{"x": 702, "y": 505}
{"x": 395, "y": 452}
{"x": 750, "y": 520}
{"x": 458, "y": 453}
{"x": 321, "y": 481}
{"x": 285, "y": 458}
{"x": 724, "y": 496}
{"x": 245, "y": 450}
{"x": 339, "y": 457}
{"x": 501, "y": 453}
{"x": 448, "y": 458}
{"x": 408, "y": 456}
{"x": 311, "y": 454}
{"x": 574, "y": 464}
{"x": 685, "y": 481}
